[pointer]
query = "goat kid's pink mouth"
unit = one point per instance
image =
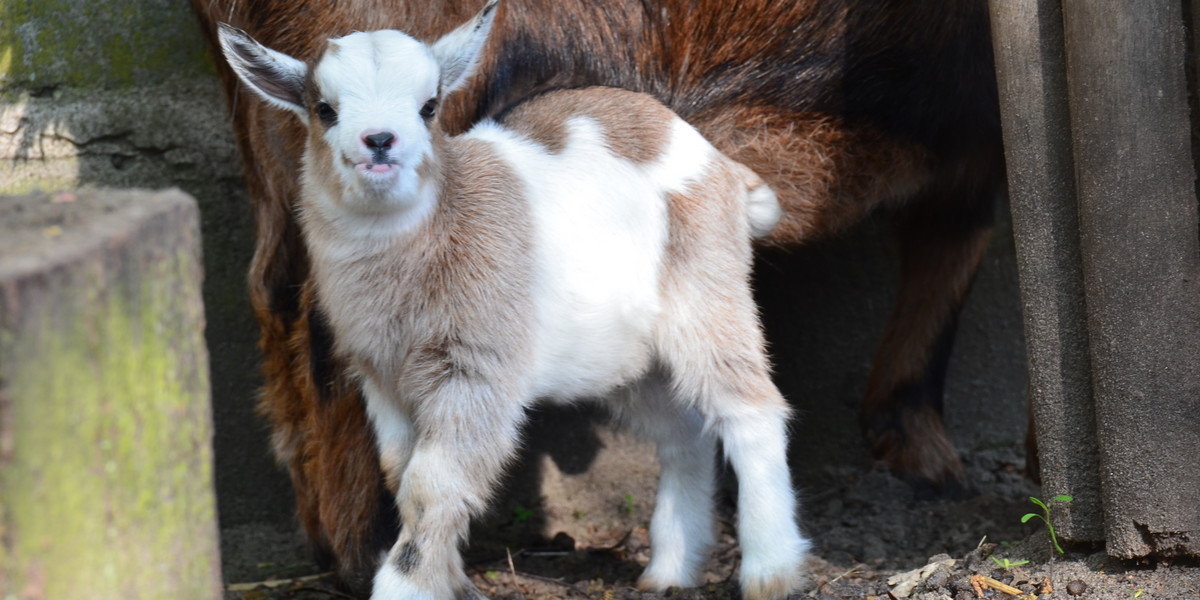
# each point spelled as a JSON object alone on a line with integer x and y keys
{"x": 376, "y": 168}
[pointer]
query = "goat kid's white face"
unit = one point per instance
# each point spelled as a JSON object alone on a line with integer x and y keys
{"x": 375, "y": 94}
{"x": 371, "y": 98}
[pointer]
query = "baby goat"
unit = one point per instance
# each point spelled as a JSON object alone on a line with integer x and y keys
{"x": 590, "y": 244}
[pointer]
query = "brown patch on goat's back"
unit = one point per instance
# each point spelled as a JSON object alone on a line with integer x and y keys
{"x": 636, "y": 126}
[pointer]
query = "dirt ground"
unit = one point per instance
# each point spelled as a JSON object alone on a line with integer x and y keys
{"x": 870, "y": 533}
{"x": 867, "y": 526}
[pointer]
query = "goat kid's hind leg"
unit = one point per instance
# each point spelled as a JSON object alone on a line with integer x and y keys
{"x": 711, "y": 346}
{"x": 745, "y": 411}
{"x": 753, "y": 430}
{"x": 682, "y": 528}
{"x": 714, "y": 355}
{"x": 463, "y": 443}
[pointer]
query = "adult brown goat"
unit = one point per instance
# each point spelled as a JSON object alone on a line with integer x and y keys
{"x": 842, "y": 106}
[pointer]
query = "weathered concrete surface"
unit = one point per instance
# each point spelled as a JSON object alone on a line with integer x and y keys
{"x": 1096, "y": 117}
{"x": 97, "y": 45}
{"x": 1032, "y": 77}
{"x": 105, "y": 421}
{"x": 123, "y": 94}
{"x": 1130, "y": 125}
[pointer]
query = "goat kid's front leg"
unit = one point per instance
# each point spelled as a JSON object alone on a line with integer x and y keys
{"x": 393, "y": 431}
{"x": 463, "y": 442}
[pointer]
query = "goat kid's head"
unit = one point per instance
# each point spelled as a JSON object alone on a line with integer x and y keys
{"x": 369, "y": 102}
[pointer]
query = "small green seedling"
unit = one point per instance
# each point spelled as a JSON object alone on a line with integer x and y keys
{"x": 629, "y": 506}
{"x": 1046, "y": 519}
{"x": 1008, "y": 565}
{"x": 521, "y": 514}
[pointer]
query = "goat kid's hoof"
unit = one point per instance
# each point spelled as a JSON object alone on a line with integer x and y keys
{"x": 650, "y": 582}
{"x": 771, "y": 588}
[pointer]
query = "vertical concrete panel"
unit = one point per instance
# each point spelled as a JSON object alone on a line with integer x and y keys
{"x": 1031, "y": 73}
{"x": 1141, "y": 265}
{"x": 106, "y": 477}
{"x": 123, "y": 94}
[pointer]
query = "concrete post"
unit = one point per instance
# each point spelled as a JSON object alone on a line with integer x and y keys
{"x": 1032, "y": 78}
{"x": 1141, "y": 262}
{"x": 106, "y": 465}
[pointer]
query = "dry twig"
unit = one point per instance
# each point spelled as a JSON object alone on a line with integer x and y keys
{"x": 274, "y": 583}
{"x": 979, "y": 582}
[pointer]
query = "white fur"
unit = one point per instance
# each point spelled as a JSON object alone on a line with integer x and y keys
{"x": 685, "y": 160}
{"x": 763, "y": 209}
{"x": 682, "y": 528}
{"x": 751, "y": 441}
{"x": 390, "y": 583}
{"x": 610, "y": 310}
{"x": 354, "y": 75}
{"x": 600, "y": 226}
{"x": 393, "y": 427}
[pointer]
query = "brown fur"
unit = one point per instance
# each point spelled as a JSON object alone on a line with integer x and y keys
{"x": 828, "y": 176}
{"x": 771, "y": 88}
{"x": 639, "y": 140}
{"x": 907, "y": 349}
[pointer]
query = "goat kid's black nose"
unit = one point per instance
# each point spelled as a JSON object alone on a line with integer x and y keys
{"x": 382, "y": 139}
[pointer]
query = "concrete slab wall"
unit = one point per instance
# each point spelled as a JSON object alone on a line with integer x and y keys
{"x": 1032, "y": 77}
{"x": 124, "y": 94}
{"x": 1097, "y": 128}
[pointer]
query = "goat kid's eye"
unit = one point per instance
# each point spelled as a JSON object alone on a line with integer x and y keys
{"x": 429, "y": 108}
{"x": 326, "y": 113}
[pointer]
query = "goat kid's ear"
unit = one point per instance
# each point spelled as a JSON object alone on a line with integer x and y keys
{"x": 458, "y": 52}
{"x": 276, "y": 77}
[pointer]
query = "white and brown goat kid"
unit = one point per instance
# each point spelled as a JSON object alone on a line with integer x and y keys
{"x": 589, "y": 245}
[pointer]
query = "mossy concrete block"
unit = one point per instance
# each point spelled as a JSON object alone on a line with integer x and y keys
{"x": 105, "y": 424}
{"x": 98, "y": 44}
{"x": 155, "y": 118}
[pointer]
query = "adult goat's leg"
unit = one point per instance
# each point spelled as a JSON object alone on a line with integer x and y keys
{"x": 941, "y": 246}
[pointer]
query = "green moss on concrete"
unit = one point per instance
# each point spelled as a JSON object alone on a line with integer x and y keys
{"x": 18, "y": 178}
{"x": 110, "y": 487}
{"x": 99, "y": 43}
